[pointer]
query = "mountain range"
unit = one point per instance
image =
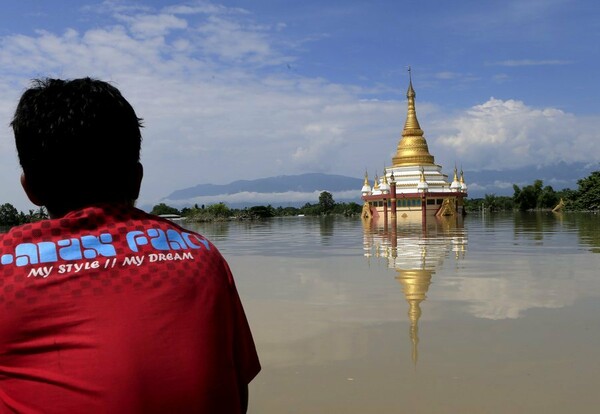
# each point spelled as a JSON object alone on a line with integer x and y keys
{"x": 295, "y": 190}
{"x": 303, "y": 183}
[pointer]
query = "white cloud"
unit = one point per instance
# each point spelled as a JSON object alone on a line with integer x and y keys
{"x": 204, "y": 7}
{"x": 509, "y": 134}
{"x": 234, "y": 41}
{"x": 152, "y": 25}
{"x": 447, "y": 75}
{"x": 532, "y": 62}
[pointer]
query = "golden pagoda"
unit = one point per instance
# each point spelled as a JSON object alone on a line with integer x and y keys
{"x": 417, "y": 187}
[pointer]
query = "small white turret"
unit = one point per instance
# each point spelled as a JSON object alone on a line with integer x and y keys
{"x": 384, "y": 186}
{"x": 422, "y": 186}
{"x": 455, "y": 186}
{"x": 463, "y": 185}
{"x": 376, "y": 189}
{"x": 366, "y": 188}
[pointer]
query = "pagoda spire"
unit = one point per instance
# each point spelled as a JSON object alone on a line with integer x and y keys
{"x": 412, "y": 148}
{"x": 411, "y": 117}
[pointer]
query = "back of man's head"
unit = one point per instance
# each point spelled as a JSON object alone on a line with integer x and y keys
{"x": 78, "y": 143}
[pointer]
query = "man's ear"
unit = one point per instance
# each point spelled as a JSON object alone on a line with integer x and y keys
{"x": 33, "y": 197}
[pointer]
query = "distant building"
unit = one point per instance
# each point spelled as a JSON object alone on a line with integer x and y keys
{"x": 413, "y": 187}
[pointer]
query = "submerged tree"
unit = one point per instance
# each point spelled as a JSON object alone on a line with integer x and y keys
{"x": 162, "y": 208}
{"x": 219, "y": 210}
{"x": 526, "y": 197}
{"x": 588, "y": 193}
{"x": 326, "y": 202}
{"x": 261, "y": 211}
{"x": 534, "y": 196}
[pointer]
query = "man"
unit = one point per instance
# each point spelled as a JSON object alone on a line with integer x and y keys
{"x": 104, "y": 308}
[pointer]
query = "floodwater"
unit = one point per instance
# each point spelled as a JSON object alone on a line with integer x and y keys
{"x": 493, "y": 314}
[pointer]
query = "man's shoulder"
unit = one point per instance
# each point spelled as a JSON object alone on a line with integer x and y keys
{"x": 24, "y": 231}
{"x": 108, "y": 236}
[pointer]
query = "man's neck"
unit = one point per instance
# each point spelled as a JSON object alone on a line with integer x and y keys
{"x": 59, "y": 213}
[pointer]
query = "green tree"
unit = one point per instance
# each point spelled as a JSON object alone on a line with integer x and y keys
{"x": 35, "y": 215}
{"x": 262, "y": 211}
{"x": 526, "y": 198}
{"x": 9, "y": 215}
{"x": 287, "y": 211}
{"x": 219, "y": 210}
{"x": 347, "y": 209}
{"x": 547, "y": 198}
{"x": 326, "y": 202}
{"x": 473, "y": 204}
{"x": 162, "y": 208}
{"x": 490, "y": 202}
{"x": 588, "y": 193}
{"x": 310, "y": 209}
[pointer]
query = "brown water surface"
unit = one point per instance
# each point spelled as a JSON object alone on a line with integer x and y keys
{"x": 493, "y": 314}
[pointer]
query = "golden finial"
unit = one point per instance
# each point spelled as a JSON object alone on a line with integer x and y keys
{"x": 411, "y": 91}
{"x": 376, "y": 183}
{"x": 462, "y": 176}
{"x": 385, "y": 176}
{"x": 455, "y": 174}
{"x": 366, "y": 178}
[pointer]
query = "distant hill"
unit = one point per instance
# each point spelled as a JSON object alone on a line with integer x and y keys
{"x": 303, "y": 183}
{"x": 296, "y": 190}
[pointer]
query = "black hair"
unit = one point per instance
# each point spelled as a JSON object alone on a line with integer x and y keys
{"x": 78, "y": 143}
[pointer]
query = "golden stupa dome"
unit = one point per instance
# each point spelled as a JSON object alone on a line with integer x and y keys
{"x": 412, "y": 148}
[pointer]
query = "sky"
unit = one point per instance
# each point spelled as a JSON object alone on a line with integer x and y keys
{"x": 233, "y": 90}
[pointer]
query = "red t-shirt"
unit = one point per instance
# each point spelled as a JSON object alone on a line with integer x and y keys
{"x": 112, "y": 310}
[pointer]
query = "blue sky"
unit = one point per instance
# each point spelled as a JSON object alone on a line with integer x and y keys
{"x": 247, "y": 89}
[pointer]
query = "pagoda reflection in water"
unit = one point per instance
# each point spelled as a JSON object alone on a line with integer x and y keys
{"x": 415, "y": 251}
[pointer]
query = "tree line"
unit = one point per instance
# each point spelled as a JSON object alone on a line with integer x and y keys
{"x": 220, "y": 211}
{"x": 10, "y": 216}
{"x": 537, "y": 196}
